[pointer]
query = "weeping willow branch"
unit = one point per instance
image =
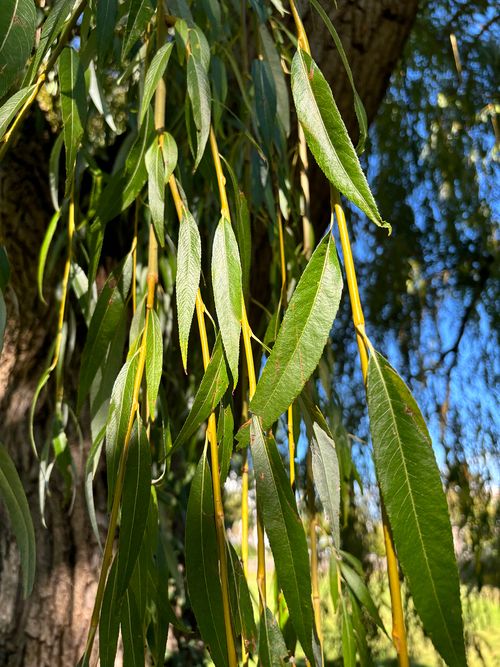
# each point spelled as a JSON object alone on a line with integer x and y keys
{"x": 398, "y": 623}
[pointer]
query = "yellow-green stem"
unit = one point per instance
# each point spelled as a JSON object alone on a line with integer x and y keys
{"x": 398, "y": 623}
{"x": 214, "y": 454}
{"x": 301, "y": 33}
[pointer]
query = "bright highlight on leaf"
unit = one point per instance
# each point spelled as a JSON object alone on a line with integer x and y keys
{"x": 327, "y": 135}
{"x": 187, "y": 279}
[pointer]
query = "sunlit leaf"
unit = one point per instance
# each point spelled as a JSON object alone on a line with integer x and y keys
{"x": 326, "y": 476}
{"x": 73, "y": 107}
{"x": 155, "y": 72}
{"x": 17, "y": 33}
{"x": 156, "y": 189}
{"x": 154, "y": 359}
{"x": 198, "y": 89}
{"x": 187, "y": 278}
{"x": 416, "y": 506}
{"x": 302, "y": 336}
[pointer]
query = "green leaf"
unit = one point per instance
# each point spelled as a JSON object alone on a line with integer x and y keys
{"x": 359, "y": 630}
{"x": 17, "y": 33}
{"x": 348, "y": 640}
{"x": 120, "y": 408}
{"x": 154, "y": 360}
{"x": 125, "y": 184}
{"x": 135, "y": 505}
{"x": 359, "y": 108}
{"x": 242, "y": 230}
{"x": 155, "y": 72}
{"x": 51, "y": 28}
{"x": 416, "y": 506}
{"x": 274, "y": 60}
{"x": 90, "y": 470}
{"x": 334, "y": 582}
{"x": 12, "y": 106}
{"x": 155, "y": 167}
{"x": 170, "y": 154}
{"x": 187, "y": 278}
{"x": 228, "y": 295}
{"x": 139, "y": 14}
{"x": 105, "y": 20}
{"x": 327, "y": 135}
{"x": 198, "y": 89}
{"x": 107, "y": 314}
{"x": 272, "y": 648}
{"x": 55, "y": 155}
{"x": 302, "y": 336}
{"x": 240, "y": 601}
{"x": 4, "y": 268}
{"x": 202, "y": 567}
{"x": 13, "y": 496}
{"x": 212, "y": 388}
{"x": 360, "y": 590}
{"x": 285, "y": 532}
{"x": 109, "y": 621}
{"x": 326, "y": 476}
{"x": 264, "y": 102}
{"x": 73, "y": 107}
{"x": 131, "y": 626}
{"x": 44, "y": 249}
{"x": 3, "y": 319}
{"x": 225, "y": 429}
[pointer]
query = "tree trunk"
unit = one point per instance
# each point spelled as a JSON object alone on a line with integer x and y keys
{"x": 50, "y": 627}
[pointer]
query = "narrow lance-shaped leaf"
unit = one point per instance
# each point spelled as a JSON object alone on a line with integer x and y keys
{"x": 170, "y": 154}
{"x": 359, "y": 108}
{"x": 105, "y": 26}
{"x": 139, "y": 13}
{"x": 107, "y": 314}
{"x": 327, "y": 136}
{"x": 348, "y": 640}
{"x": 240, "y": 601}
{"x": 198, "y": 89}
{"x": 13, "y": 496}
{"x": 302, "y": 336}
{"x": 154, "y": 359}
{"x": 51, "y": 28}
{"x": 326, "y": 476}
{"x": 135, "y": 505}
{"x": 73, "y": 107}
{"x": 132, "y": 635}
{"x": 273, "y": 57}
{"x": 109, "y": 621}
{"x": 155, "y": 72}
{"x": 17, "y": 32}
{"x": 416, "y": 506}
{"x": 44, "y": 250}
{"x": 187, "y": 278}
{"x": 285, "y": 532}
{"x": 356, "y": 584}
{"x": 156, "y": 189}
{"x": 202, "y": 569}
{"x": 272, "y": 648}
{"x": 228, "y": 295}
{"x": 12, "y": 106}
{"x": 212, "y": 388}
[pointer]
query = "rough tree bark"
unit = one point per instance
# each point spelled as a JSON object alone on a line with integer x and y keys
{"x": 50, "y": 627}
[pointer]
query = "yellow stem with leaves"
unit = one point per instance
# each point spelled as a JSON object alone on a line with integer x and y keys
{"x": 398, "y": 623}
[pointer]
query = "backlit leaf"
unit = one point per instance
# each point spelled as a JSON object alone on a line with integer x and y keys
{"x": 327, "y": 135}
{"x": 228, "y": 295}
{"x": 416, "y": 506}
{"x": 348, "y": 640}
{"x": 14, "y": 499}
{"x": 285, "y": 532}
{"x": 202, "y": 567}
{"x": 212, "y": 388}
{"x": 12, "y": 106}
{"x": 302, "y": 336}
{"x": 44, "y": 249}
{"x": 187, "y": 278}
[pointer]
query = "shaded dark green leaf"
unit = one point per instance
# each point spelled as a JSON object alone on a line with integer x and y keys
{"x": 198, "y": 89}
{"x": 139, "y": 14}
{"x": 241, "y": 602}
{"x": 13, "y": 497}
{"x": 272, "y": 648}
{"x": 326, "y": 476}
{"x": 73, "y": 107}
{"x": 356, "y": 584}
{"x": 285, "y": 532}
{"x": 17, "y": 33}
{"x": 202, "y": 567}
{"x": 132, "y": 635}
{"x": 105, "y": 20}
{"x": 109, "y": 620}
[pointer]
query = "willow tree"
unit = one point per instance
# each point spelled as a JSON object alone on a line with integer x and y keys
{"x": 183, "y": 251}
